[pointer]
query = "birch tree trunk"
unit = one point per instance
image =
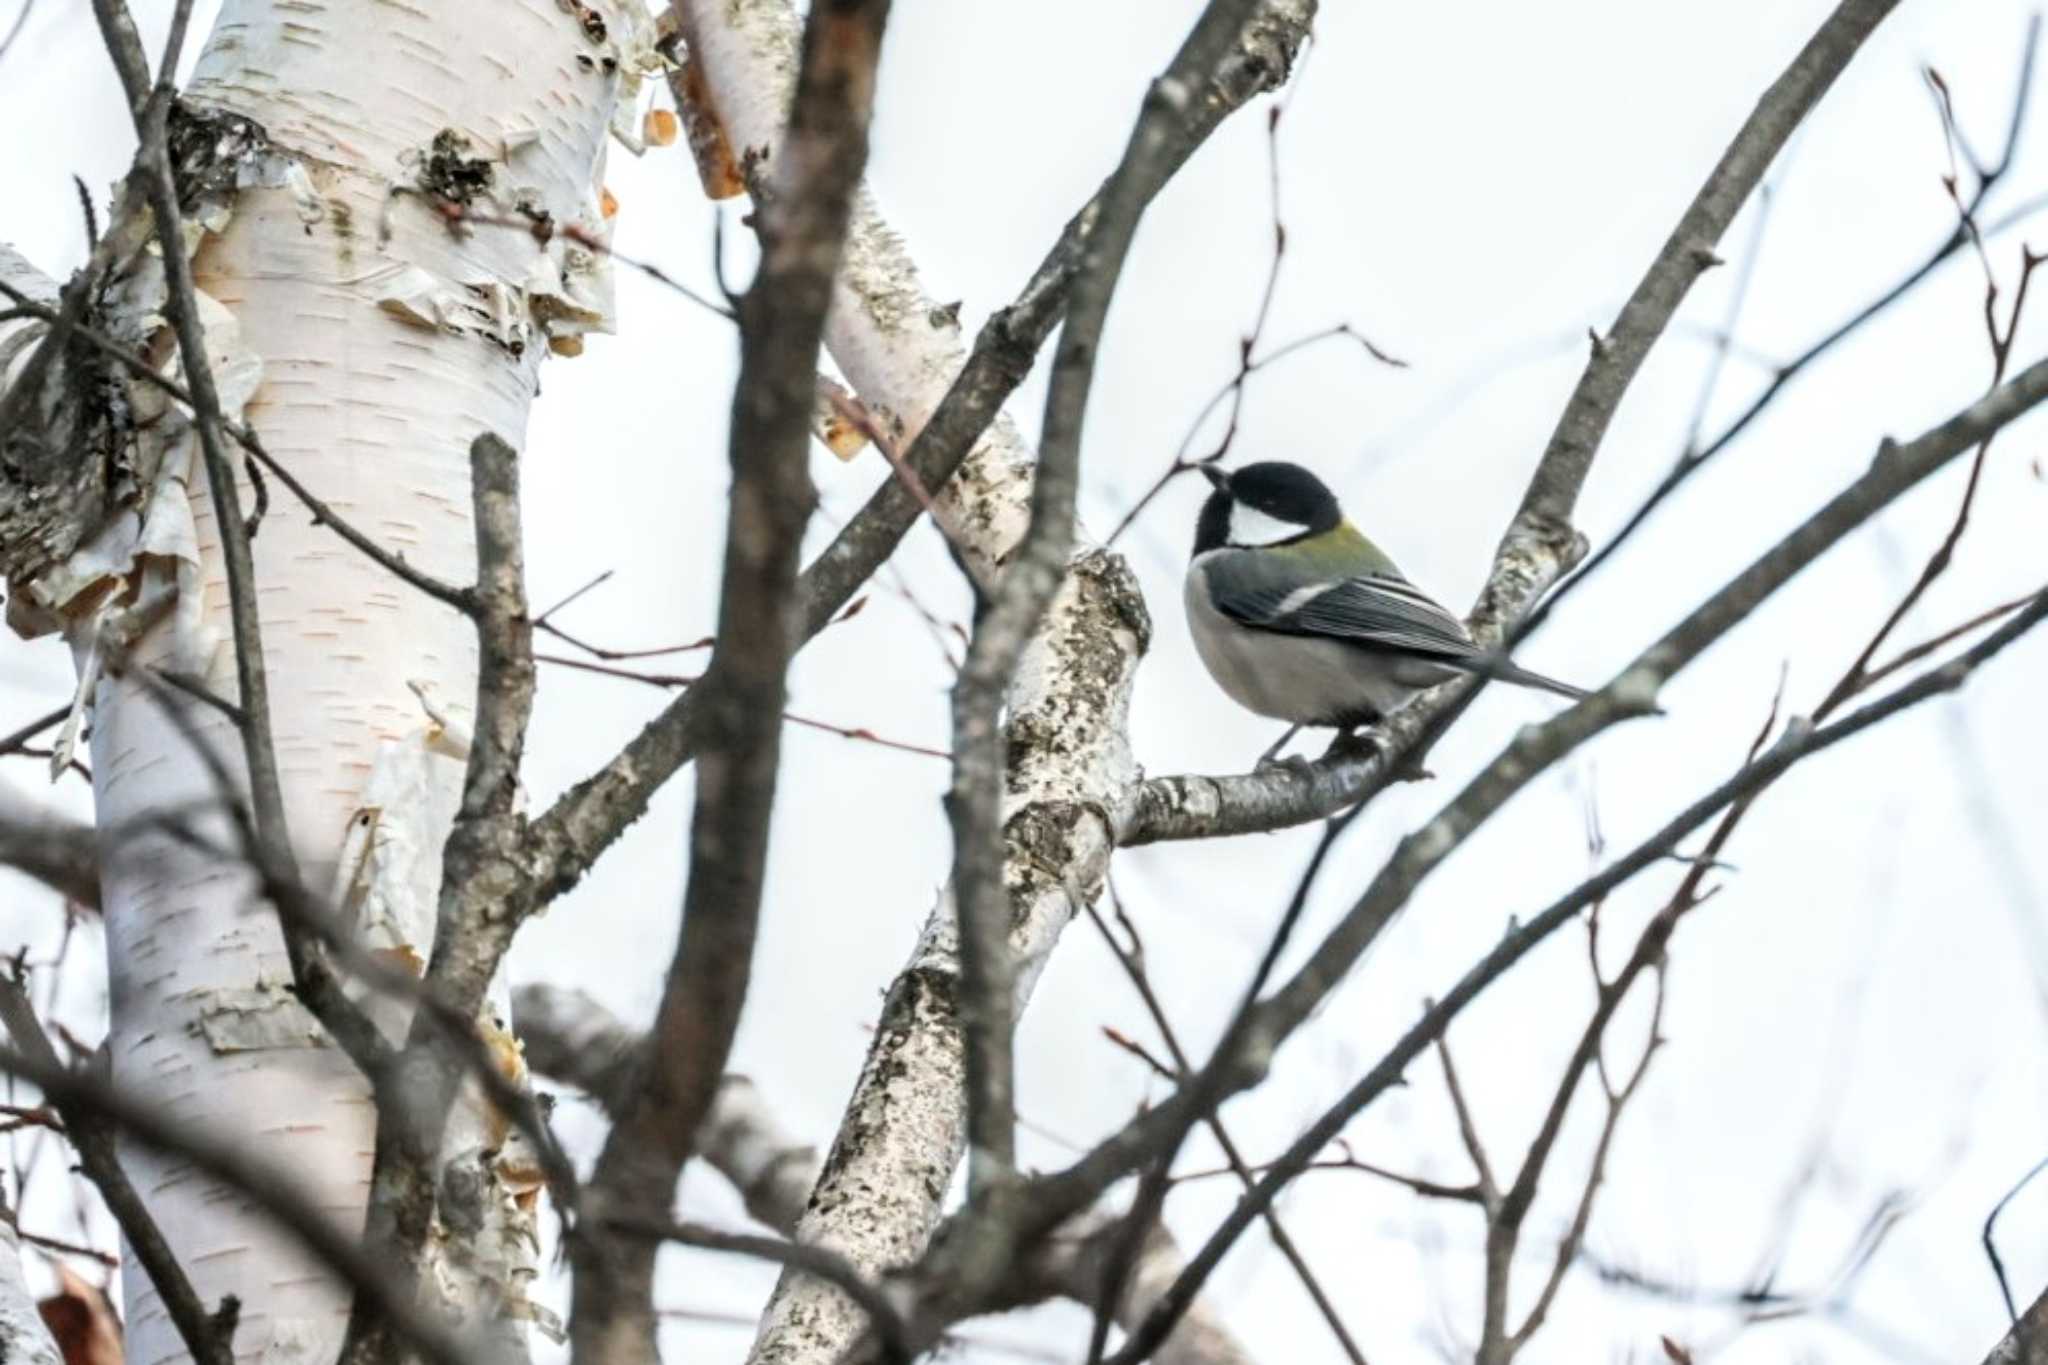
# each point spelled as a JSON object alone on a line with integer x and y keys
{"x": 366, "y": 338}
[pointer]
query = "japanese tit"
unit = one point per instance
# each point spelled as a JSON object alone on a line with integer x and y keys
{"x": 1299, "y": 617}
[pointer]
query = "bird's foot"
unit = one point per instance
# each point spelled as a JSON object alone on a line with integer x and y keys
{"x": 1271, "y": 758}
{"x": 1271, "y": 762}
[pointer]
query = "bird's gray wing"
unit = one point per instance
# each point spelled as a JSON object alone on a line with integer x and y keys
{"x": 1373, "y": 611}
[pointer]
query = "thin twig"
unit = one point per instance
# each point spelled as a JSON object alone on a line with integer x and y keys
{"x": 1247, "y": 365}
{"x": 278, "y": 1195}
{"x": 1132, "y": 961}
{"x": 1991, "y": 1244}
{"x": 1692, "y": 460}
{"x": 1794, "y": 746}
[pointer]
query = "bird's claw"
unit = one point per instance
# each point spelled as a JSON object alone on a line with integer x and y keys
{"x": 1293, "y": 763}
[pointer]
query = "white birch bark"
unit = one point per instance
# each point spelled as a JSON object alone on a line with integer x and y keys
{"x": 367, "y": 342}
{"x": 892, "y": 341}
{"x": 24, "y": 1339}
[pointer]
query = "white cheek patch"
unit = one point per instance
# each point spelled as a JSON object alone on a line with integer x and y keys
{"x": 1249, "y": 526}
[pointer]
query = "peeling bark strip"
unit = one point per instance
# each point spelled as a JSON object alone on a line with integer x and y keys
{"x": 811, "y": 180}
{"x": 364, "y": 343}
{"x": 58, "y": 427}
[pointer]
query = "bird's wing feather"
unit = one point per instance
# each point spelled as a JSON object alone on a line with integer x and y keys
{"x": 1379, "y": 611}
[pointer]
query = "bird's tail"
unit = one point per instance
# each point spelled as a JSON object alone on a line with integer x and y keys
{"x": 1498, "y": 666}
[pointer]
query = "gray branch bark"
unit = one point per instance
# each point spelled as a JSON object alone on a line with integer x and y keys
{"x": 2027, "y": 1341}
{"x": 572, "y": 1038}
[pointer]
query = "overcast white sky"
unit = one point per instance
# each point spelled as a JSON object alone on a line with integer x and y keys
{"x": 1472, "y": 186}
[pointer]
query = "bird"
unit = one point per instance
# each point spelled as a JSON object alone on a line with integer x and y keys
{"x": 1299, "y": 617}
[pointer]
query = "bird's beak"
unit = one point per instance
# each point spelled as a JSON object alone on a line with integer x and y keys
{"x": 1217, "y": 476}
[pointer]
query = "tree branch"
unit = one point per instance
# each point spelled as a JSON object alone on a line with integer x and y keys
{"x": 1797, "y": 743}
{"x": 1033, "y": 574}
{"x": 782, "y": 318}
{"x": 472, "y": 931}
{"x": 899, "y": 359}
{"x": 1539, "y": 543}
{"x": 1633, "y": 692}
{"x": 1695, "y": 455}
{"x": 573, "y": 1038}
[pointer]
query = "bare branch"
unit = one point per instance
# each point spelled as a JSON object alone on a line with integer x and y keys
{"x": 1798, "y": 743}
{"x": 1695, "y": 455}
{"x": 1539, "y": 543}
{"x": 1029, "y": 580}
{"x": 572, "y": 1037}
{"x": 591, "y": 815}
{"x": 1468, "y": 1131}
{"x": 471, "y": 932}
{"x": 1132, "y": 962}
{"x": 782, "y": 318}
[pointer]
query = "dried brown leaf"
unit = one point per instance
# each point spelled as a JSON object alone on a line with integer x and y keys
{"x": 659, "y": 128}
{"x": 81, "y": 1321}
{"x": 832, "y": 418}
